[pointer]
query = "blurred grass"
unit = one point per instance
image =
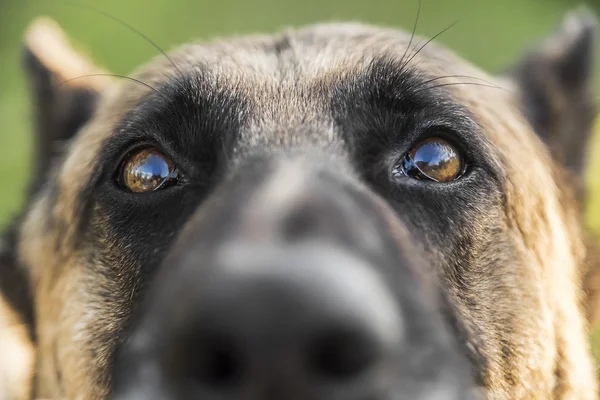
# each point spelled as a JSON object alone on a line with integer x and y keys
{"x": 489, "y": 33}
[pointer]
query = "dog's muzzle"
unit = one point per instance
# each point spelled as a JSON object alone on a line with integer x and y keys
{"x": 291, "y": 282}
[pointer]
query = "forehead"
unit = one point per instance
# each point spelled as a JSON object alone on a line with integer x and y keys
{"x": 271, "y": 86}
{"x": 314, "y": 53}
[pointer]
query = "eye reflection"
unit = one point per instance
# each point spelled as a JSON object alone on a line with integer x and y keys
{"x": 148, "y": 170}
{"x": 432, "y": 159}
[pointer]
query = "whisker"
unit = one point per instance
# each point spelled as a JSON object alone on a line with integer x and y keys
{"x": 413, "y": 32}
{"x": 456, "y": 76}
{"x": 460, "y": 83}
{"x": 131, "y": 28}
{"x": 403, "y": 66}
{"x": 116, "y": 76}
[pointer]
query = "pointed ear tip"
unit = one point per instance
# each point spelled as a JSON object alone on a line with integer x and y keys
{"x": 43, "y": 29}
{"x": 581, "y": 21}
{"x": 47, "y": 48}
{"x": 44, "y": 40}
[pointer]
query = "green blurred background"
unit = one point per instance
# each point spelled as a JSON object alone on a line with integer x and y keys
{"x": 490, "y": 33}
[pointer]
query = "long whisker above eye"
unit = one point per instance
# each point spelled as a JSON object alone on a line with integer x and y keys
{"x": 116, "y": 76}
{"x": 403, "y": 66}
{"x": 131, "y": 28}
{"x": 412, "y": 36}
{"x": 455, "y": 76}
{"x": 460, "y": 83}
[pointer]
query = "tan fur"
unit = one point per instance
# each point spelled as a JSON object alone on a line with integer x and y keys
{"x": 591, "y": 279}
{"x": 16, "y": 357}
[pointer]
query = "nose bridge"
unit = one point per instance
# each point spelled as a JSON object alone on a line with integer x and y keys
{"x": 303, "y": 200}
{"x": 283, "y": 190}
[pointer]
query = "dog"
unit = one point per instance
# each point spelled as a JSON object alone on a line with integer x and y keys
{"x": 340, "y": 211}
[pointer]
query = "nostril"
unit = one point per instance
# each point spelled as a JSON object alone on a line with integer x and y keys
{"x": 220, "y": 366}
{"x": 340, "y": 356}
{"x": 300, "y": 224}
{"x": 213, "y": 363}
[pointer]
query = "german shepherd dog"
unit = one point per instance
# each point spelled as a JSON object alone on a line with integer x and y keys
{"x": 336, "y": 212}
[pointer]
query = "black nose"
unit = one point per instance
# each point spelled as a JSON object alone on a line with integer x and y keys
{"x": 283, "y": 320}
{"x": 308, "y": 322}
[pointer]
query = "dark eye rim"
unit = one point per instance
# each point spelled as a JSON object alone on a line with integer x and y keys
{"x": 117, "y": 175}
{"x": 446, "y": 134}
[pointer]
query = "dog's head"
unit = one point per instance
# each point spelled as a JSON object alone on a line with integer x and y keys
{"x": 334, "y": 212}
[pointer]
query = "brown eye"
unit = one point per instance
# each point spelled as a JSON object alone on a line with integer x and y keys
{"x": 147, "y": 170}
{"x": 433, "y": 159}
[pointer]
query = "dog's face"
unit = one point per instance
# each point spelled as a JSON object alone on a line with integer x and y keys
{"x": 334, "y": 212}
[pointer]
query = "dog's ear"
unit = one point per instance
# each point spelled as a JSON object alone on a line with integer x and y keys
{"x": 62, "y": 104}
{"x": 65, "y": 86}
{"x": 555, "y": 80}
